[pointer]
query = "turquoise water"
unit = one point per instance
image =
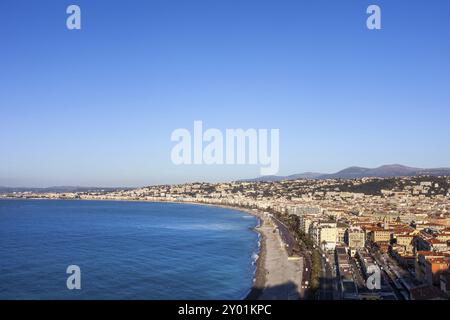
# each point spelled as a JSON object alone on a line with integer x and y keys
{"x": 125, "y": 250}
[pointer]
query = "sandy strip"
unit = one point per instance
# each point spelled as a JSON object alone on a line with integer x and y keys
{"x": 277, "y": 277}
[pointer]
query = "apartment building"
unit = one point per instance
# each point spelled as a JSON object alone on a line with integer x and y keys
{"x": 379, "y": 235}
{"x": 305, "y": 223}
{"x": 430, "y": 265}
{"x": 324, "y": 234}
{"x": 355, "y": 239}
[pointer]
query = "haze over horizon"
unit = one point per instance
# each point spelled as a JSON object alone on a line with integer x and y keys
{"x": 97, "y": 106}
{"x": 307, "y": 174}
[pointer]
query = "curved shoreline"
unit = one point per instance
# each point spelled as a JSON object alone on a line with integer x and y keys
{"x": 259, "y": 278}
{"x": 270, "y": 248}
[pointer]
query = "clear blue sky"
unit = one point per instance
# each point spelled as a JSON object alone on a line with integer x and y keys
{"x": 97, "y": 106}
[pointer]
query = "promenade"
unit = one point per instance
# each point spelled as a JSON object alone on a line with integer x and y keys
{"x": 278, "y": 277}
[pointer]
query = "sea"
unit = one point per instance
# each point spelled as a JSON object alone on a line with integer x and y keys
{"x": 124, "y": 250}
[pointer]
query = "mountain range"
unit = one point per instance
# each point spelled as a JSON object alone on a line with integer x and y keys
{"x": 386, "y": 171}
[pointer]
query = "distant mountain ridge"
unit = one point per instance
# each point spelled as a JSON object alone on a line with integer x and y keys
{"x": 305, "y": 175}
{"x": 385, "y": 171}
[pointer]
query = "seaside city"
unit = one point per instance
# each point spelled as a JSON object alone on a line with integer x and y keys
{"x": 328, "y": 239}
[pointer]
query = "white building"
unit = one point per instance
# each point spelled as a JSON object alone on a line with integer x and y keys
{"x": 324, "y": 234}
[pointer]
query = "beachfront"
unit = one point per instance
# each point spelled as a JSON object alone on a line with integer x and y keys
{"x": 278, "y": 276}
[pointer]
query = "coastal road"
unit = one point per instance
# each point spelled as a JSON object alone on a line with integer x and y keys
{"x": 292, "y": 247}
{"x": 289, "y": 241}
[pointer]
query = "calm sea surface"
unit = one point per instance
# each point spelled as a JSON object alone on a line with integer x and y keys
{"x": 126, "y": 250}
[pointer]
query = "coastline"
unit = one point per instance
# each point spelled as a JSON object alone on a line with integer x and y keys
{"x": 271, "y": 279}
{"x": 259, "y": 278}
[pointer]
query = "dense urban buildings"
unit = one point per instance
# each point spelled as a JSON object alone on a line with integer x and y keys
{"x": 399, "y": 225}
